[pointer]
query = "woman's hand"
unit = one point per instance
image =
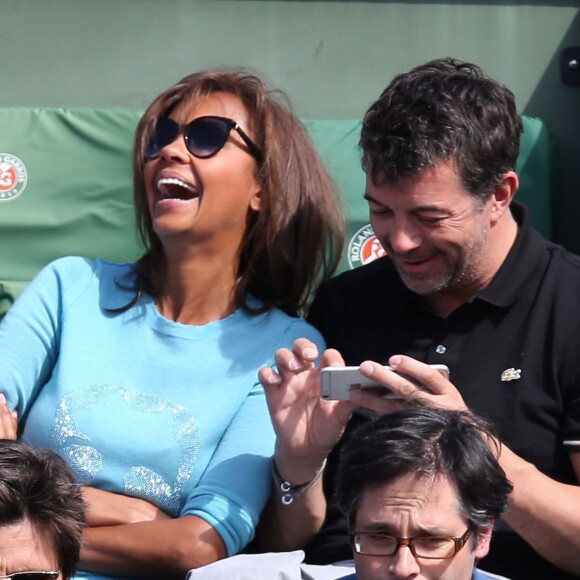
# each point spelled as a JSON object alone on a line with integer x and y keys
{"x": 307, "y": 426}
{"x": 105, "y": 508}
{"x": 8, "y": 420}
{"x": 434, "y": 391}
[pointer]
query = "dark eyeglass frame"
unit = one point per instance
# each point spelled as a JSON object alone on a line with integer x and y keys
{"x": 172, "y": 129}
{"x": 32, "y": 575}
{"x": 409, "y": 542}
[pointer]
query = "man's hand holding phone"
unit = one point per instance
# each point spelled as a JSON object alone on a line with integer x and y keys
{"x": 412, "y": 381}
{"x": 336, "y": 383}
{"x": 309, "y": 425}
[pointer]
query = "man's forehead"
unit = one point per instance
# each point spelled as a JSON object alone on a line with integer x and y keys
{"x": 25, "y": 546}
{"x": 430, "y": 502}
{"x": 433, "y": 187}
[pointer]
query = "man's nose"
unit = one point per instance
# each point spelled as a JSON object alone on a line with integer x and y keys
{"x": 403, "y": 236}
{"x": 404, "y": 565}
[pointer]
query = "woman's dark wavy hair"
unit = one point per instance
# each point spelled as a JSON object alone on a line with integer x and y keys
{"x": 37, "y": 485}
{"x": 428, "y": 443}
{"x": 294, "y": 242}
{"x": 444, "y": 110}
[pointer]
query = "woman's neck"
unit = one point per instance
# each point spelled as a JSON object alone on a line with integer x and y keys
{"x": 198, "y": 291}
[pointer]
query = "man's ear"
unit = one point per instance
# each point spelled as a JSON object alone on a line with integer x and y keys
{"x": 483, "y": 540}
{"x": 503, "y": 195}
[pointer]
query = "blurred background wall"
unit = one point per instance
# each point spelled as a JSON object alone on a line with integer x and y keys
{"x": 333, "y": 58}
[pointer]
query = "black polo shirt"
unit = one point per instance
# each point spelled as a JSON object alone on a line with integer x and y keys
{"x": 513, "y": 352}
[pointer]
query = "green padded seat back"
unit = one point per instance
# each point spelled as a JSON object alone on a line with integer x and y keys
{"x": 66, "y": 187}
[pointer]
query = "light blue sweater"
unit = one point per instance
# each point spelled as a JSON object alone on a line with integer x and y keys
{"x": 141, "y": 405}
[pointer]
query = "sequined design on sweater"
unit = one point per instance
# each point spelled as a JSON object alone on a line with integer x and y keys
{"x": 68, "y": 438}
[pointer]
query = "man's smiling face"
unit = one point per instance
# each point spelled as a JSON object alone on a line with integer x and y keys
{"x": 435, "y": 231}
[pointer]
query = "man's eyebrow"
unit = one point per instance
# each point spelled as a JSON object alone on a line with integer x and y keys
{"x": 371, "y": 199}
{"x": 378, "y": 527}
{"x": 418, "y": 209}
{"x": 431, "y": 208}
{"x": 384, "y": 528}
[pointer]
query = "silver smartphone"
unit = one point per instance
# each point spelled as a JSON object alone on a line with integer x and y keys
{"x": 337, "y": 382}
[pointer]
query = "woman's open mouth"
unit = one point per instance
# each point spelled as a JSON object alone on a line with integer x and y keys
{"x": 175, "y": 188}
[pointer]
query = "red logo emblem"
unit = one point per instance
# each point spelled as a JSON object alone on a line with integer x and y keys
{"x": 13, "y": 177}
{"x": 7, "y": 177}
{"x": 364, "y": 247}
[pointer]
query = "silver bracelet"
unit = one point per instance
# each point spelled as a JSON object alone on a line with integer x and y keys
{"x": 288, "y": 491}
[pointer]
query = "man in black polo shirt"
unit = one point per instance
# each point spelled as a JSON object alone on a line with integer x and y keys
{"x": 467, "y": 283}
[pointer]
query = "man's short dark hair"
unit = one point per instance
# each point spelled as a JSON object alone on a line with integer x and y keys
{"x": 427, "y": 442}
{"x": 37, "y": 486}
{"x": 443, "y": 111}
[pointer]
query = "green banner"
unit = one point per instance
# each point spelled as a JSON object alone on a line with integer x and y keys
{"x": 65, "y": 187}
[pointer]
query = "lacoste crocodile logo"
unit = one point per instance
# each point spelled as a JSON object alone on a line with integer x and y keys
{"x": 511, "y": 375}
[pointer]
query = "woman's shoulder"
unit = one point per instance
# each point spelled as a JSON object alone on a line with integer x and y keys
{"x": 75, "y": 268}
{"x": 62, "y": 275}
{"x": 292, "y": 327}
{"x": 277, "y": 316}
{"x": 74, "y": 275}
{"x": 79, "y": 265}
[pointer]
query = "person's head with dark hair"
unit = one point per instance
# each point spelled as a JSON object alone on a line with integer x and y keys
{"x": 439, "y": 148}
{"x": 41, "y": 514}
{"x": 277, "y": 207}
{"x": 443, "y": 111}
{"x": 427, "y": 474}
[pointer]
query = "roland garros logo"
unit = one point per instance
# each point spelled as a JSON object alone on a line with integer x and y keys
{"x": 364, "y": 247}
{"x": 13, "y": 177}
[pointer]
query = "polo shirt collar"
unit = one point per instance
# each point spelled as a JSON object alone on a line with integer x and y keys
{"x": 522, "y": 261}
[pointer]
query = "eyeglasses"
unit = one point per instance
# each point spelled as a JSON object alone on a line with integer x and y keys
{"x": 31, "y": 575}
{"x": 428, "y": 547}
{"x": 204, "y": 136}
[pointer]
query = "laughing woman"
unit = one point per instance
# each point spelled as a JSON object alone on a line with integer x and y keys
{"x": 144, "y": 376}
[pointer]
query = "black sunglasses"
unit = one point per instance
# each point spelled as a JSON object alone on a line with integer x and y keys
{"x": 31, "y": 575}
{"x": 204, "y": 136}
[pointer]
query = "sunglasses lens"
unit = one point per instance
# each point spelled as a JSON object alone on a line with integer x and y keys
{"x": 207, "y": 135}
{"x": 165, "y": 132}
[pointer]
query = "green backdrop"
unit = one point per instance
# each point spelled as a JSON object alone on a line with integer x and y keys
{"x": 333, "y": 57}
{"x": 77, "y": 197}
